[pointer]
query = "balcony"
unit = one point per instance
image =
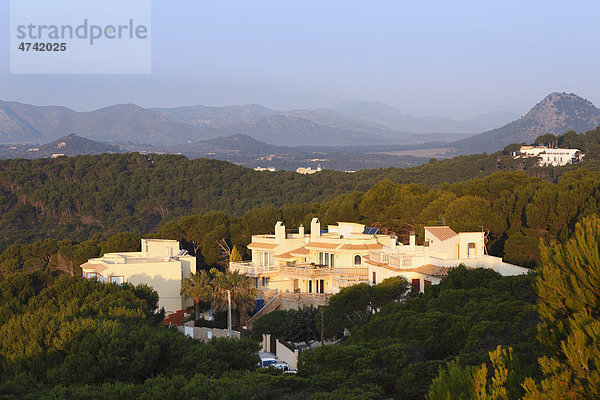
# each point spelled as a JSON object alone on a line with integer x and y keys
{"x": 401, "y": 261}
{"x": 313, "y": 271}
{"x": 250, "y": 269}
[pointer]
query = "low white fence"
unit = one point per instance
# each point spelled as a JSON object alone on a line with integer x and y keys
{"x": 205, "y": 334}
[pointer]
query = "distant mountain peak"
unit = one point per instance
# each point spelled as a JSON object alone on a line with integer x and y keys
{"x": 556, "y": 114}
{"x": 559, "y": 111}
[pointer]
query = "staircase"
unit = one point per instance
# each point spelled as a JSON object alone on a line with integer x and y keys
{"x": 271, "y": 305}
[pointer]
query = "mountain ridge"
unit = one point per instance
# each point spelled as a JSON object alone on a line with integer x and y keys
{"x": 348, "y": 124}
{"x": 555, "y": 114}
{"x": 391, "y": 118}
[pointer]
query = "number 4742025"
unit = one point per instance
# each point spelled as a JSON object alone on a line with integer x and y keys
{"x": 42, "y": 46}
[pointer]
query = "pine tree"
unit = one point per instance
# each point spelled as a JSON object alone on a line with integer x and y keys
{"x": 569, "y": 308}
{"x": 235, "y": 255}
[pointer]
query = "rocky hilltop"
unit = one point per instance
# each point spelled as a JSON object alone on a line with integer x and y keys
{"x": 557, "y": 113}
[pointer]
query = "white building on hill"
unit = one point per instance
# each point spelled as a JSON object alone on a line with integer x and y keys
{"x": 428, "y": 264}
{"x": 551, "y": 157}
{"x": 161, "y": 265}
{"x": 324, "y": 261}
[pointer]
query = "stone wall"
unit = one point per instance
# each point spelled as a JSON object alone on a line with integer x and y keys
{"x": 296, "y": 301}
{"x": 205, "y": 334}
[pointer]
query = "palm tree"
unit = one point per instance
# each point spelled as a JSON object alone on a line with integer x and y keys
{"x": 199, "y": 287}
{"x": 242, "y": 293}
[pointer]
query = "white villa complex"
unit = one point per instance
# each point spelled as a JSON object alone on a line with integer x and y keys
{"x": 345, "y": 254}
{"x": 549, "y": 156}
{"x": 161, "y": 264}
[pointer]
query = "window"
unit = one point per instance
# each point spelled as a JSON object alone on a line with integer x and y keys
{"x": 326, "y": 259}
{"x": 357, "y": 260}
{"x": 374, "y": 278}
{"x": 471, "y": 252}
{"x": 265, "y": 259}
{"x": 416, "y": 284}
{"x": 117, "y": 279}
{"x": 92, "y": 275}
{"x": 265, "y": 280}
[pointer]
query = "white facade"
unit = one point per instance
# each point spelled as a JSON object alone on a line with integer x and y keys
{"x": 429, "y": 263}
{"x": 161, "y": 265}
{"x": 551, "y": 157}
{"x": 308, "y": 170}
{"x": 323, "y": 262}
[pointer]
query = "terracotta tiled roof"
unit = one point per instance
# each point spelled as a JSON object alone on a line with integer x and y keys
{"x": 362, "y": 246}
{"x": 376, "y": 263}
{"x": 285, "y": 256}
{"x": 428, "y": 269}
{"x": 259, "y": 245}
{"x": 433, "y": 270}
{"x": 355, "y": 247}
{"x": 95, "y": 267}
{"x": 300, "y": 252}
{"x": 175, "y": 319}
{"x": 441, "y": 232}
{"x": 321, "y": 245}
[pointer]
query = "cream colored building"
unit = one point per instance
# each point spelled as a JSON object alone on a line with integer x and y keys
{"x": 549, "y": 156}
{"x": 428, "y": 264}
{"x": 323, "y": 261}
{"x": 345, "y": 254}
{"x": 308, "y": 170}
{"x": 161, "y": 265}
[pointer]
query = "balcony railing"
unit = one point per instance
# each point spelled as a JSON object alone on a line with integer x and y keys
{"x": 305, "y": 270}
{"x": 250, "y": 269}
{"x": 401, "y": 261}
{"x": 143, "y": 260}
{"x": 313, "y": 271}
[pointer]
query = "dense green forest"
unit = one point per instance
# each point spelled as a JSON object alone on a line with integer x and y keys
{"x": 74, "y": 338}
{"x": 398, "y": 351}
{"x": 514, "y": 210}
{"x": 109, "y": 193}
{"x": 69, "y": 337}
{"x": 65, "y": 337}
{"x": 75, "y": 198}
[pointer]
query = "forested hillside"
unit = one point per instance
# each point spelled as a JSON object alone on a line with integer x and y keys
{"x": 514, "y": 210}
{"x": 66, "y": 337}
{"x": 73, "y": 338}
{"x": 57, "y": 213}
{"x": 109, "y": 193}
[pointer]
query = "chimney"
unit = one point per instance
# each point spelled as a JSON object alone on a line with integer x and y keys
{"x": 412, "y": 240}
{"x": 279, "y": 232}
{"x": 315, "y": 229}
{"x": 301, "y": 231}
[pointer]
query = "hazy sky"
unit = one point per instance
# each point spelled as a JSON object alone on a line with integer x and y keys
{"x": 451, "y": 58}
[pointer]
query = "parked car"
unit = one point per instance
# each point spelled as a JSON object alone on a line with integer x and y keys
{"x": 282, "y": 366}
{"x": 267, "y": 359}
{"x": 268, "y": 362}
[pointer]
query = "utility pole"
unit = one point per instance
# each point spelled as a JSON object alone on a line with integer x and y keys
{"x": 322, "y": 328}
{"x": 228, "y": 313}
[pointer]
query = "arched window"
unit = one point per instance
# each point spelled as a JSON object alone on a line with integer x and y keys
{"x": 358, "y": 259}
